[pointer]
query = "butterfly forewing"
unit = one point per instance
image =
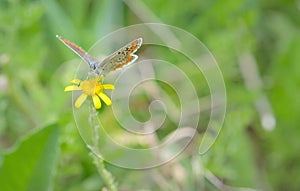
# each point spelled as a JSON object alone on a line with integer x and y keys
{"x": 80, "y": 52}
{"x": 120, "y": 58}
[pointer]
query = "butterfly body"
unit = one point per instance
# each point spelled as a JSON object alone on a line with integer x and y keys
{"x": 123, "y": 57}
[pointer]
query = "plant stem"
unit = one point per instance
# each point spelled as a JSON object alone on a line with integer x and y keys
{"x": 106, "y": 175}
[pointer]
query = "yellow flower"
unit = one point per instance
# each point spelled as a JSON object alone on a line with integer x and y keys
{"x": 90, "y": 87}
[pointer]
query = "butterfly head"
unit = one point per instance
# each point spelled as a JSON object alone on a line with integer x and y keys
{"x": 93, "y": 64}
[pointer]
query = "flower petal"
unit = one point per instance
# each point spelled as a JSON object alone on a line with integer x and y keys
{"x": 108, "y": 86}
{"x": 75, "y": 81}
{"x": 71, "y": 88}
{"x": 97, "y": 102}
{"x": 80, "y": 100}
{"x": 105, "y": 98}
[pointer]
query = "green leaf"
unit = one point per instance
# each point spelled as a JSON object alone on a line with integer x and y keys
{"x": 30, "y": 166}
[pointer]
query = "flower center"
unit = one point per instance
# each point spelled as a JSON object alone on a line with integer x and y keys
{"x": 91, "y": 87}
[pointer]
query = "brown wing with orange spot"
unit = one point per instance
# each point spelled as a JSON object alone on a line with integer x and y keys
{"x": 120, "y": 58}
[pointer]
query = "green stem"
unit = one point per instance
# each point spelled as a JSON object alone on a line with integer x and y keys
{"x": 8, "y": 68}
{"x": 19, "y": 98}
{"x": 106, "y": 175}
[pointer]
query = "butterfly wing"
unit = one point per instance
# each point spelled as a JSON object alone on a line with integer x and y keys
{"x": 91, "y": 61}
{"x": 123, "y": 57}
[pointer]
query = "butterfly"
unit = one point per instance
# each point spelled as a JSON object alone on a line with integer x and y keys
{"x": 122, "y": 57}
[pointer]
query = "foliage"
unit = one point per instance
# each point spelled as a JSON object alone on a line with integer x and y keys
{"x": 34, "y": 69}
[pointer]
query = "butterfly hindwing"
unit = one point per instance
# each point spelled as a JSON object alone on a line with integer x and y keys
{"x": 118, "y": 62}
{"x": 120, "y": 58}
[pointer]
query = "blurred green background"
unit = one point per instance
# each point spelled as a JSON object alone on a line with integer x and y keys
{"x": 256, "y": 43}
